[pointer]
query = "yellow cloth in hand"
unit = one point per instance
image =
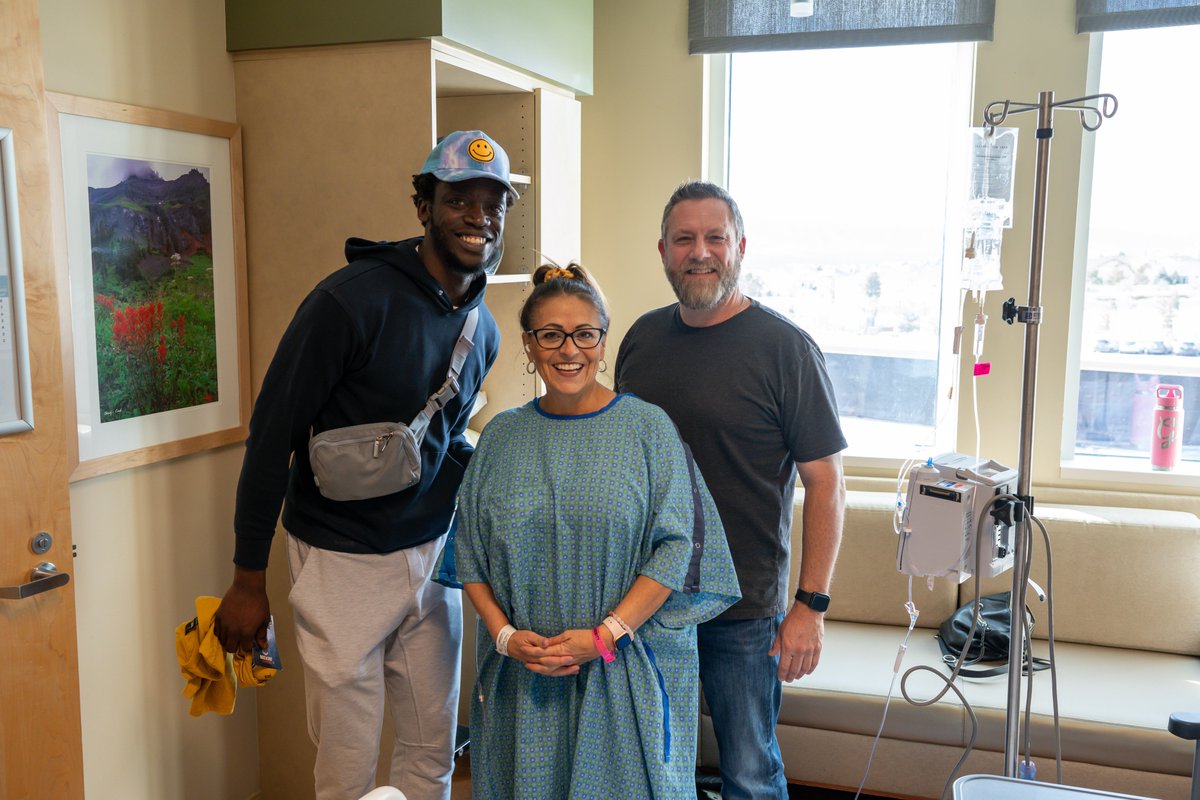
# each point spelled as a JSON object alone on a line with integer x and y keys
{"x": 213, "y": 675}
{"x": 250, "y": 674}
{"x": 218, "y": 695}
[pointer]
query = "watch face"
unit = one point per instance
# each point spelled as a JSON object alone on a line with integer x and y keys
{"x": 622, "y": 641}
{"x": 817, "y": 601}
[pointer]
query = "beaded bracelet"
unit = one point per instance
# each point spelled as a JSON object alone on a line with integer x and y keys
{"x": 622, "y": 623}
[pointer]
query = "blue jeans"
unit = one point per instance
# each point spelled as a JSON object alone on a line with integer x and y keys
{"x": 743, "y": 693}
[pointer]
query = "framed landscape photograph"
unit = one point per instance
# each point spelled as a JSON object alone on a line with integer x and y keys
{"x": 152, "y": 214}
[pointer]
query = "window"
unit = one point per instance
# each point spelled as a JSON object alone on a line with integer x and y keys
{"x": 1141, "y": 294}
{"x": 842, "y": 162}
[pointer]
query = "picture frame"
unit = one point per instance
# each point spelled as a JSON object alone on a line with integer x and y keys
{"x": 16, "y": 397}
{"x": 149, "y": 205}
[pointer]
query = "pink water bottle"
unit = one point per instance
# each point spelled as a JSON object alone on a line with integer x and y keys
{"x": 1166, "y": 435}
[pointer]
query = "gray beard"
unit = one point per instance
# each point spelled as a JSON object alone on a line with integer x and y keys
{"x": 699, "y": 298}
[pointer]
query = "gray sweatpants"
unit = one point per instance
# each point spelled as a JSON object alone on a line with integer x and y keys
{"x": 373, "y": 629}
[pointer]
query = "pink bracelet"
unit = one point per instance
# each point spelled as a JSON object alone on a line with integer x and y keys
{"x": 605, "y": 653}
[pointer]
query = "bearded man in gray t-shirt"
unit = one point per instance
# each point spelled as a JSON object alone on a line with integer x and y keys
{"x": 751, "y": 396}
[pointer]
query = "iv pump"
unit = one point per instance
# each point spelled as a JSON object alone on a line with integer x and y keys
{"x": 941, "y": 524}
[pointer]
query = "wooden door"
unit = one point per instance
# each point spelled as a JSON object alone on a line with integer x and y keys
{"x": 40, "y": 736}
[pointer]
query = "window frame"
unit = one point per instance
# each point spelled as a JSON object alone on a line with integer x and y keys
{"x": 948, "y": 410}
{"x": 1004, "y": 69}
{"x": 1100, "y": 471}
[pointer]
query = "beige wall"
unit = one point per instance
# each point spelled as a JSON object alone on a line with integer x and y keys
{"x": 642, "y": 134}
{"x": 641, "y": 137}
{"x": 153, "y": 538}
{"x": 167, "y": 54}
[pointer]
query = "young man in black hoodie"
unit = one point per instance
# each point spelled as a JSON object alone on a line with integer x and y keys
{"x": 371, "y": 343}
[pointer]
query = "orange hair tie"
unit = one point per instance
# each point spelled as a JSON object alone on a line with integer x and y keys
{"x": 558, "y": 272}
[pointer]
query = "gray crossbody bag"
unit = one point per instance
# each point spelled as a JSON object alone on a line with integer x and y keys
{"x": 379, "y": 458}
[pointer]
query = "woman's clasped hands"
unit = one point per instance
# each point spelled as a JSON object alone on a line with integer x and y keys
{"x": 555, "y": 656}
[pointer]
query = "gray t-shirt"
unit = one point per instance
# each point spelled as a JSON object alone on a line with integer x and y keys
{"x": 751, "y": 396}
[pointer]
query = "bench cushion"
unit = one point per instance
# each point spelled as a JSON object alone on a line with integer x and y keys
{"x": 1113, "y": 703}
{"x": 1123, "y": 577}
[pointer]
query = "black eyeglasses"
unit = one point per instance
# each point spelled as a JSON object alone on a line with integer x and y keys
{"x": 554, "y": 338}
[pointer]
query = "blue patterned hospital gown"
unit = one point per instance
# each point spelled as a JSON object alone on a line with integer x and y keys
{"x": 559, "y": 515}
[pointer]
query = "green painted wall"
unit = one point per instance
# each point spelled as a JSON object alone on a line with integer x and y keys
{"x": 551, "y": 39}
{"x": 259, "y": 24}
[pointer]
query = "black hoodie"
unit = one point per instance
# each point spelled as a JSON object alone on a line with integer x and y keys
{"x": 370, "y": 343}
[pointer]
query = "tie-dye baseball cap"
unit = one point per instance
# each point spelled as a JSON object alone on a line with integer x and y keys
{"x": 463, "y": 155}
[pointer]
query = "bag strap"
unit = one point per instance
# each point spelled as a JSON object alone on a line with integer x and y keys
{"x": 950, "y": 658}
{"x": 449, "y": 389}
{"x": 1039, "y": 664}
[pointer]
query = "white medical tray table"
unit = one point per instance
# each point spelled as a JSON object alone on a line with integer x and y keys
{"x": 994, "y": 787}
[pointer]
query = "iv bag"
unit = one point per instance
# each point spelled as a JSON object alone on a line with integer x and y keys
{"x": 989, "y": 206}
{"x": 981, "y": 246}
{"x": 993, "y": 166}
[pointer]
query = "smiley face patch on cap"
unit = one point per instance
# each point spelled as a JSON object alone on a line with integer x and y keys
{"x": 481, "y": 150}
{"x": 465, "y": 155}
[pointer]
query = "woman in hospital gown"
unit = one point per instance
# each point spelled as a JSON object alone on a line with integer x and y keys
{"x": 577, "y": 506}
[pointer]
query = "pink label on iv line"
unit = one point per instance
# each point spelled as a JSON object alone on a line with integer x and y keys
{"x": 982, "y": 368}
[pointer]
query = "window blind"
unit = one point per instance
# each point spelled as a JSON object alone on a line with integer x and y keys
{"x": 736, "y": 26}
{"x": 1118, "y": 15}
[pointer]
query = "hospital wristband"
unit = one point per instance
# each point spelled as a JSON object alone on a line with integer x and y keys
{"x": 605, "y": 653}
{"x": 502, "y": 638}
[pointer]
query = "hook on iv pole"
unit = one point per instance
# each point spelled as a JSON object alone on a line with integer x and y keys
{"x": 1108, "y": 107}
{"x": 998, "y": 111}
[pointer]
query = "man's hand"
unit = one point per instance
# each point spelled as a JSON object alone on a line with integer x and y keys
{"x": 798, "y": 642}
{"x": 241, "y": 620}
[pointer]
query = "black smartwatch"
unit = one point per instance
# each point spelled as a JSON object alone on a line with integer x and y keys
{"x": 817, "y": 601}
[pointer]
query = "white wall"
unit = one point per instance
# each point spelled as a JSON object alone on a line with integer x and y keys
{"x": 150, "y": 539}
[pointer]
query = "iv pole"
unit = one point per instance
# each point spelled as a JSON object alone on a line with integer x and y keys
{"x": 994, "y": 115}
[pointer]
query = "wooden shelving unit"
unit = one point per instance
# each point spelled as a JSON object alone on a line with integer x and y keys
{"x": 538, "y": 126}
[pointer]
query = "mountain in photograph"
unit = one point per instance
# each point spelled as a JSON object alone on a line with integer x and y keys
{"x": 141, "y": 222}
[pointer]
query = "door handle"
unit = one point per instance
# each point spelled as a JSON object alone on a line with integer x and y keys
{"x": 44, "y": 577}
